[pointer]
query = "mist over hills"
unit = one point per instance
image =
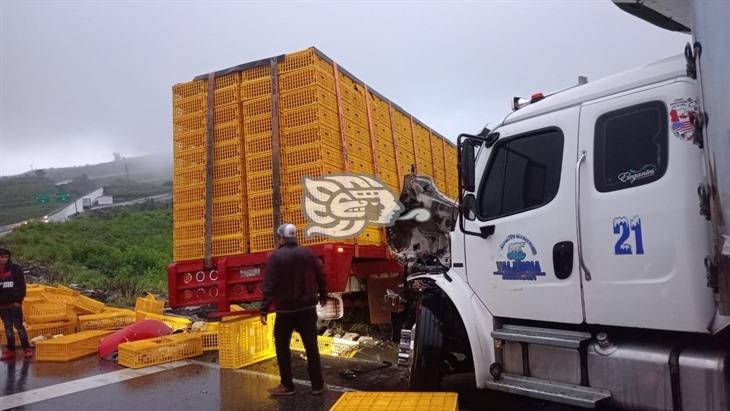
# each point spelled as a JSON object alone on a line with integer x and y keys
{"x": 152, "y": 168}
{"x": 124, "y": 178}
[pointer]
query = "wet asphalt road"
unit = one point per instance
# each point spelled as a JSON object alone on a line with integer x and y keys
{"x": 91, "y": 384}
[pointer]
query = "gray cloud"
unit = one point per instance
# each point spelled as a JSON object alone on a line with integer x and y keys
{"x": 80, "y": 80}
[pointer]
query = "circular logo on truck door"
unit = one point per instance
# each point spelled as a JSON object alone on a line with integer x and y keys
{"x": 518, "y": 259}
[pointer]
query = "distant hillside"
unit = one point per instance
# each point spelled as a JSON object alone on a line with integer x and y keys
{"x": 154, "y": 168}
{"x": 125, "y": 179}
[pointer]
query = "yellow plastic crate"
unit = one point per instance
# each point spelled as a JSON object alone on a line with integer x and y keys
{"x": 70, "y": 347}
{"x": 311, "y": 134}
{"x": 310, "y": 76}
{"x": 312, "y": 154}
{"x": 227, "y": 226}
{"x": 336, "y": 347}
{"x": 245, "y": 341}
{"x": 255, "y": 73}
{"x": 293, "y": 176}
{"x": 209, "y": 334}
{"x": 149, "y": 304}
{"x": 111, "y": 320}
{"x": 309, "y": 115}
{"x": 188, "y": 250}
{"x": 401, "y": 401}
{"x": 189, "y": 89}
{"x": 38, "y": 313}
{"x": 58, "y": 298}
{"x": 303, "y": 59}
{"x": 307, "y": 96}
{"x": 176, "y": 323}
{"x": 228, "y": 245}
{"x": 47, "y": 330}
{"x": 262, "y": 241}
{"x": 255, "y": 88}
{"x": 258, "y": 145}
{"x": 143, "y": 353}
{"x": 86, "y": 305}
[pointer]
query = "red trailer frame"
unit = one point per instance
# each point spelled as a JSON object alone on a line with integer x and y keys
{"x": 238, "y": 278}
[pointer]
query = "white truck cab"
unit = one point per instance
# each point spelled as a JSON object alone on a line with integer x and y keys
{"x": 586, "y": 264}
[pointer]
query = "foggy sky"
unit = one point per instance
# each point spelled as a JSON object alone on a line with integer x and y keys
{"x": 80, "y": 80}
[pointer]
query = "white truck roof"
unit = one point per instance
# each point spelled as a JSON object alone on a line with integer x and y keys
{"x": 662, "y": 70}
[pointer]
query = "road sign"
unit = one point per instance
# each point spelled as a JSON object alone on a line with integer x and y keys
{"x": 42, "y": 198}
{"x": 62, "y": 197}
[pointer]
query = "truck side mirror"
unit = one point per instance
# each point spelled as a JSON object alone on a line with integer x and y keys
{"x": 466, "y": 165}
{"x": 469, "y": 207}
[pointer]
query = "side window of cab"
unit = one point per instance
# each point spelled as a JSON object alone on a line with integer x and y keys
{"x": 523, "y": 173}
{"x": 631, "y": 147}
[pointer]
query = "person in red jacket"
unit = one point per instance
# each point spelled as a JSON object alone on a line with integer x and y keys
{"x": 12, "y": 293}
{"x": 294, "y": 283}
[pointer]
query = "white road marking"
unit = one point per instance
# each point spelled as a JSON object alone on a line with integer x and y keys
{"x": 260, "y": 374}
{"x": 83, "y": 384}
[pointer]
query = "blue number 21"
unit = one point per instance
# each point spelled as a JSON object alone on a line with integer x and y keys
{"x": 623, "y": 227}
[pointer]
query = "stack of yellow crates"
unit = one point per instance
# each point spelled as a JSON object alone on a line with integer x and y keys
{"x": 328, "y": 122}
{"x": 228, "y": 223}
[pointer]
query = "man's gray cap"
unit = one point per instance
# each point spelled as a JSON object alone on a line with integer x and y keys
{"x": 287, "y": 231}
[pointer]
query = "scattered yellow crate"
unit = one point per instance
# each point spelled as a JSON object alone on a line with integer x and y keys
{"x": 176, "y": 323}
{"x": 70, "y": 347}
{"x": 107, "y": 320}
{"x": 149, "y": 304}
{"x": 401, "y": 401}
{"x": 45, "y": 313}
{"x": 57, "y": 297}
{"x": 143, "y": 353}
{"x": 245, "y": 341}
{"x": 47, "y": 330}
{"x": 209, "y": 334}
{"x": 86, "y": 305}
{"x": 336, "y": 347}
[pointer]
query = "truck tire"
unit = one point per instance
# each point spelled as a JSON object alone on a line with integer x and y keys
{"x": 428, "y": 356}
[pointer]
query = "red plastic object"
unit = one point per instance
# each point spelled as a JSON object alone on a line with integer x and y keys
{"x": 133, "y": 332}
{"x": 233, "y": 279}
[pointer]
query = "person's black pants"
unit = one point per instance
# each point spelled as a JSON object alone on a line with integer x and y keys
{"x": 305, "y": 323}
{"x": 13, "y": 317}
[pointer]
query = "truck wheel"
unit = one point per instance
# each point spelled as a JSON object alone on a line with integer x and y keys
{"x": 428, "y": 356}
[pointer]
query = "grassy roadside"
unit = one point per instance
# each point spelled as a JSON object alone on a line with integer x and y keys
{"x": 124, "y": 251}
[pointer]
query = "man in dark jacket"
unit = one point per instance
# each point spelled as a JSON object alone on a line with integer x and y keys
{"x": 294, "y": 282}
{"x": 12, "y": 293}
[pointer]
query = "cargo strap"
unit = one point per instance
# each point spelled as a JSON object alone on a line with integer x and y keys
{"x": 433, "y": 159}
{"x": 210, "y": 138}
{"x": 275, "y": 148}
{"x": 371, "y": 129}
{"x": 343, "y": 130}
{"x": 415, "y": 148}
{"x": 447, "y": 186}
{"x": 373, "y": 146}
{"x": 395, "y": 148}
{"x": 341, "y": 118}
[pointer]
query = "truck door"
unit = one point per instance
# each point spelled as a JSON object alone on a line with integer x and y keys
{"x": 526, "y": 192}
{"x": 643, "y": 239}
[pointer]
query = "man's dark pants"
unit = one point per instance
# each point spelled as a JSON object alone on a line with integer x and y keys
{"x": 13, "y": 318}
{"x": 304, "y": 322}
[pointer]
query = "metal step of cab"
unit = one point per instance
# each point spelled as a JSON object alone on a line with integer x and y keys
{"x": 570, "y": 394}
{"x": 543, "y": 336}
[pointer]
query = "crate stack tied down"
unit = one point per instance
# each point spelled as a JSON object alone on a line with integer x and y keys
{"x": 325, "y": 121}
{"x": 190, "y": 144}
